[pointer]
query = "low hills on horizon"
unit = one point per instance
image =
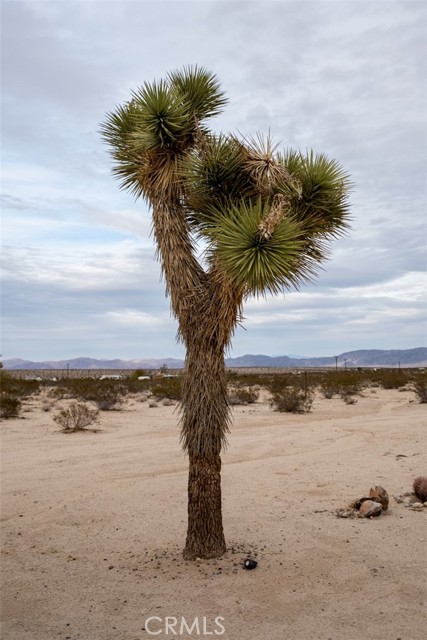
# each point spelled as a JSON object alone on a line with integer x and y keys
{"x": 361, "y": 358}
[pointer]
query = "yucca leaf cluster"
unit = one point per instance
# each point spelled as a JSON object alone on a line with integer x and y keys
{"x": 265, "y": 217}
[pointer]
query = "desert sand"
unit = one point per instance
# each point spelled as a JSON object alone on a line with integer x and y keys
{"x": 93, "y": 525}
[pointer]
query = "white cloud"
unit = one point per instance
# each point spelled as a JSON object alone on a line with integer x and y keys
{"x": 119, "y": 266}
{"x": 346, "y": 78}
{"x": 134, "y": 319}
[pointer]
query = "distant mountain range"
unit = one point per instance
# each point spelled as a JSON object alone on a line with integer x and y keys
{"x": 362, "y": 358}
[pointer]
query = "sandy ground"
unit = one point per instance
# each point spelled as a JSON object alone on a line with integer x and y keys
{"x": 94, "y": 523}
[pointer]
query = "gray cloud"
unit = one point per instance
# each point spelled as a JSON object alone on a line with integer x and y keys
{"x": 344, "y": 78}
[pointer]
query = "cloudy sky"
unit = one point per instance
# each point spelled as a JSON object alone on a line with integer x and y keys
{"x": 347, "y": 78}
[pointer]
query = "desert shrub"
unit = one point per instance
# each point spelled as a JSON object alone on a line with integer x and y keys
{"x": 240, "y": 395}
{"x": 133, "y": 385}
{"x": 9, "y": 407}
{"x": 278, "y": 382}
{"x": 390, "y": 378}
{"x": 59, "y": 393}
{"x": 249, "y": 395}
{"x": 232, "y": 376}
{"x": 170, "y": 388}
{"x": 342, "y": 383}
{"x": 420, "y": 389}
{"x": 328, "y": 390}
{"x": 17, "y": 387}
{"x": 237, "y": 379}
{"x": 108, "y": 395}
{"x": 73, "y": 388}
{"x": 13, "y": 391}
{"x": 292, "y": 400}
{"x": 77, "y": 417}
{"x": 138, "y": 372}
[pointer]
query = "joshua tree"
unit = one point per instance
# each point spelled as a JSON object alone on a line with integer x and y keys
{"x": 263, "y": 219}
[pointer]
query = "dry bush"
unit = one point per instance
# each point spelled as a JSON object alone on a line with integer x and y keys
{"x": 237, "y": 379}
{"x": 77, "y": 417}
{"x": 242, "y": 396}
{"x": 131, "y": 384}
{"x": 292, "y": 400}
{"x": 328, "y": 390}
{"x": 420, "y": 389}
{"x": 9, "y": 407}
{"x": 390, "y": 378}
{"x": 13, "y": 391}
{"x": 18, "y": 388}
{"x": 341, "y": 383}
{"x": 276, "y": 383}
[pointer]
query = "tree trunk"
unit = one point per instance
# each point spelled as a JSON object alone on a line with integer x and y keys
{"x": 205, "y": 535}
{"x": 207, "y": 306}
{"x": 204, "y": 426}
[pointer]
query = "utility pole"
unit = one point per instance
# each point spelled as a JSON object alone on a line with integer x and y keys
{"x": 336, "y": 363}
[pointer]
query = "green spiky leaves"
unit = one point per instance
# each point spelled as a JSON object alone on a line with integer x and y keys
{"x": 201, "y": 90}
{"x": 256, "y": 263}
{"x": 323, "y": 205}
{"x": 162, "y": 116}
{"x": 158, "y": 126}
{"x": 215, "y": 177}
{"x": 264, "y": 215}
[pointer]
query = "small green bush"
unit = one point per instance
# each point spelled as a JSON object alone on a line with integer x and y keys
{"x": 292, "y": 400}
{"x": 13, "y": 391}
{"x": 133, "y": 385}
{"x": 17, "y": 387}
{"x": 390, "y": 378}
{"x": 108, "y": 395}
{"x": 343, "y": 382}
{"x": 170, "y": 388}
{"x": 77, "y": 417}
{"x": 9, "y": 407}
{"x": 246, "y": 379}
{"x": 276, "y": 383}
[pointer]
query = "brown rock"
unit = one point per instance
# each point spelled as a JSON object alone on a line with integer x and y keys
{"x": 379, "y": 494}
{"x": 357, "y": 503}
{"x": 370, "y": 509}
{"x": 420, "y": 488}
